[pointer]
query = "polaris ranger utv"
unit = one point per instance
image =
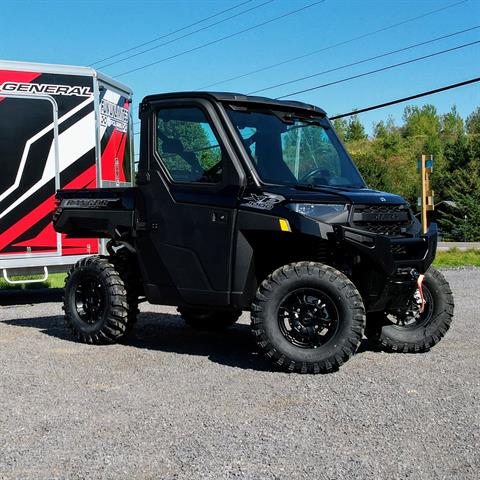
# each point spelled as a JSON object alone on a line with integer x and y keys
{"x": 247, "y": 203}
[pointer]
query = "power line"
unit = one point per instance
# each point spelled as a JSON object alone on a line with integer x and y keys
{"x": 330, "y": 47}
{"x": 364, "y": 60}
{"x": 371, "y": 72}
{"x": 218, "y": 40}
{"x": 406, "y": 99}
{"x": 186, "y": 35}
{"x": 400, "y": 100}
{"x": 171, "y": 33}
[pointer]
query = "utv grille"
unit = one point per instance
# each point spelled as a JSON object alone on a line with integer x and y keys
{"x": 389, "y": 220}
{"x": 400, "y": 250}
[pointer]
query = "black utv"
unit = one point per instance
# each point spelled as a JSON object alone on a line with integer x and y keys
{"x": 247, "y": 203}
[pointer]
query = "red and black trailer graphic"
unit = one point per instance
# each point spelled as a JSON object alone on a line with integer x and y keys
{"x": 60, "y": 127}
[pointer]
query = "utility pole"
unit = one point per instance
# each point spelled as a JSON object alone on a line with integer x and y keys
{"x": 426, "y": 203}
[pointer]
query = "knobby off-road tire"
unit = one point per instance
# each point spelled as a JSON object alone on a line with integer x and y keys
{"x": 308, "y": 318}
{"x": 207, "y": 319}
{"x": 96, "y": 302}
{"x": 416, "y": 334}
{"x": 126, "y": 266}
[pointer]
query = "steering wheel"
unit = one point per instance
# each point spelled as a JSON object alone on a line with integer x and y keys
{"x": 313, "y": 173}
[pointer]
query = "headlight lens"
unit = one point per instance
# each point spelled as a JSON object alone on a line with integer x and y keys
{"x": 326, "y": 212}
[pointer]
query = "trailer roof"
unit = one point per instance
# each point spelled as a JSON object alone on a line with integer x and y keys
{"x": 239, "y": 98}
{"x": 62, "y": 69}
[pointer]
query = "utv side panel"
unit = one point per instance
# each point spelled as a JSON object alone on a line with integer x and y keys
{"x": 103, "y": 213}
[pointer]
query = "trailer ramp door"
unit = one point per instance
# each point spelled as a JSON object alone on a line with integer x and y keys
{"x": 28, "y": 176}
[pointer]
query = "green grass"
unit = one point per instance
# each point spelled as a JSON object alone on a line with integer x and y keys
{"x": 55, "y": 280}
{"x": 457, "y": 258}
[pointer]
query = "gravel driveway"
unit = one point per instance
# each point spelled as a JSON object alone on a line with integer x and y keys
{"x": 174, "y": 403}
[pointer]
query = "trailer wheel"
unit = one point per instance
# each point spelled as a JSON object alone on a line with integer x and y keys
{"x": 208, "y": 319}
{"x": 308, "y": 318}
{"x": 412, "y": 331}
{"x": 96, "y": 302}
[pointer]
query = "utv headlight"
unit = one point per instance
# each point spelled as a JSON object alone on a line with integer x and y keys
{"x": 325, "y": 212}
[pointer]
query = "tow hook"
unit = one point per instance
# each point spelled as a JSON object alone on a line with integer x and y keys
{"x": 420, "y": 290}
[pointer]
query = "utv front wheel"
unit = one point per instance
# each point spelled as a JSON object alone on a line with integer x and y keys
{"x": 308, "y": 317}
{"x": 96, "y": 304}
{"x": 413, "y": 331}
{"x": 208, "y": 319}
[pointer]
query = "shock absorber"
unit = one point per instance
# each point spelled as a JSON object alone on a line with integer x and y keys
{"x": 420, "y": 290}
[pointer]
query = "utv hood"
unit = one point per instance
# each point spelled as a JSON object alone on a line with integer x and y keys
{"x": 319, "y": 194}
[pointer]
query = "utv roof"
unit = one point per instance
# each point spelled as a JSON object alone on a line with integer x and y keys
{"x": 239, "y": 99}
{"x": 62, "y": 69}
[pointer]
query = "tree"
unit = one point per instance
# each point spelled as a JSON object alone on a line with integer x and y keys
{"x": 421, "y": 121}
{"x": 355, "y": 130}
{"x": 463, "y": 221}
{"x": 473, "y": 122}
{"x": 340, "y": 125}
{"x": 451, "y": 125}
{"x": 385, "y": 128}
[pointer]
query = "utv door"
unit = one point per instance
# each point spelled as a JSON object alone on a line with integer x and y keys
{"x": 190, "y": 195}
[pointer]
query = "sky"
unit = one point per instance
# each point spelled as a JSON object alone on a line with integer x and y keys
{"x": 82, "y": 32}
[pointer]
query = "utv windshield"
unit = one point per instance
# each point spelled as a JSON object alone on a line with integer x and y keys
{"x": 286, "y": 149}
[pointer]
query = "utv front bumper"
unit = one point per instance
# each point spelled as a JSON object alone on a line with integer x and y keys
{"x": 389, "y": 266}
{"x": 391, "y": 254}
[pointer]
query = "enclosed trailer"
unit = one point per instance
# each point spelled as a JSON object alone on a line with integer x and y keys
{"x": 60, "y": 127}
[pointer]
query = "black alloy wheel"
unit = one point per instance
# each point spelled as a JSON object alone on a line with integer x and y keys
{"x": 414, "y": 330}
{"x": 308, "y": 318}
{"x": 98, "y": 308}
{"x": 90, "y": 299}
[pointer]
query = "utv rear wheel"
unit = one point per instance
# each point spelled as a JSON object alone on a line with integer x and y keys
{"x": 96, "y": 304}
{"x": 308, "y": 318}
{"x": 208, "y": 319}
{"x": 127, "y": 268}
{"x": 414, "y": 331}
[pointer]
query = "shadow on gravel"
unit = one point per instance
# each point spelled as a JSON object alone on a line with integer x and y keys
{"x": 53, "y": 326}
{"x": 233, "y": 347}
{"x": 30, "y": 296}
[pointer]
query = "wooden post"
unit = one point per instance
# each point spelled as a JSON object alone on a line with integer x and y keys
{"x": 425, "y": 168}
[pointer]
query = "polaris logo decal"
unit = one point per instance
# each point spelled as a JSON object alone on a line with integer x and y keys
{"x": 88, "y": 203}
{"x": 384, "y": 217}
{"x": 262, "y": 202}
{"x": 113, "y": 115}
{"x": 48, "y": 89}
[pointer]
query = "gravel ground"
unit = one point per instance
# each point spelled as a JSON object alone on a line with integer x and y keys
{"x": 174, "y": 403}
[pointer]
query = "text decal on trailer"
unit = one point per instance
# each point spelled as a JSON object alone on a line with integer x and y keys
{"x": 113, "y": 115}
{"x": 35, "y": 88}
